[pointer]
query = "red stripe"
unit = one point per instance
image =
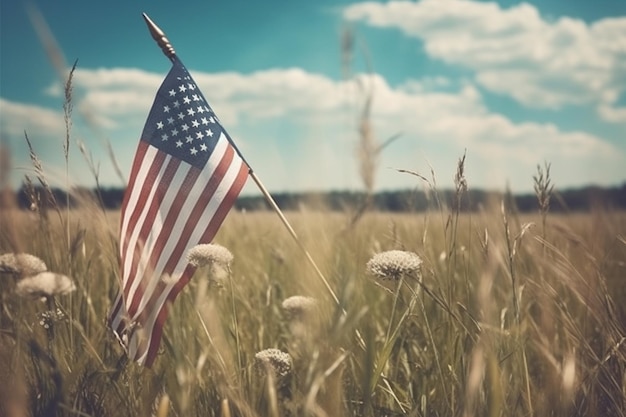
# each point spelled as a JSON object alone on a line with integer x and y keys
{"x": 155, "y": 168}
{"x": 157, "y": 330}
{"x": 116, "y": 308}
{"x": 173, "y": 213}
{"x": 191, "y": 224}
{"x": 137, "y": 163}
{"x": 155, "y": 207}
{"x": 199, "y": 207}
{"x": 226, "y": 205}
{"x": 207, "y": 236}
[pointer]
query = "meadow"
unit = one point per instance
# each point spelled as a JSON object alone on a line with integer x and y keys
{"x": 431, "y": 313}
{"x": 507, "y": 314}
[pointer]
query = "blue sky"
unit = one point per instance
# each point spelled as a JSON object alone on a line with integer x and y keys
{"x": 512, "y": 83}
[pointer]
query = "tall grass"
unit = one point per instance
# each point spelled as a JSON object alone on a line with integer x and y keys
{"x": 502, "y": 319}
{"x": 463, "y": 349}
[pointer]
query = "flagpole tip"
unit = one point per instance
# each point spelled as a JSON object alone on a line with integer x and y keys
{"x": 159, "y": 36}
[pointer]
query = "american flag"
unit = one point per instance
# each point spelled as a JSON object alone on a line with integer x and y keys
{"x": 186, "y": 175}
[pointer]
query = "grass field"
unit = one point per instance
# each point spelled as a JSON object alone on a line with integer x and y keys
{"x": 508, "y": 315}
{"x": 437, "y": 313}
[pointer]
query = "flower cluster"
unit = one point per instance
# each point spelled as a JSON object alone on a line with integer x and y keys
{"x": 209, "y": 254}
{"x": 272, "y": 360}
{"x": 393, "y": 264}
{"x": 299, "y": 307}
{"x": 22, "y": 264}
{"x": 34, "y": 279}
{"x": 45, "y": 284}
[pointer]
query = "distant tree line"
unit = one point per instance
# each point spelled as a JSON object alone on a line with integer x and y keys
{"x": 579, "y": 199}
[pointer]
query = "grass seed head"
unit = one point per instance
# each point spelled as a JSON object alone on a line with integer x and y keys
{"x": 393, "y": 264}
{"x": 45, "y": 284}
{"x": 209, "y": 254}
{"x": 299, "y": 306}
{"x": 272, "y": 360}
{"x": 23, "y": 264}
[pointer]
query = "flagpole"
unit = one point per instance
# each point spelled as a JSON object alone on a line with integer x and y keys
{"x": 159, "y": 36}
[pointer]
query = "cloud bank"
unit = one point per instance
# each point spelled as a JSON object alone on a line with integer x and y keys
{"x": 514, "y": 51}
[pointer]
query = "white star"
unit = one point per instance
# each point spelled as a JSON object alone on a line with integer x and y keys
{"x": 166, "y": 109}
{"x": 170, "y": 120}
{"x": 179, "y": 144}
{"x": 209, "y": 132}
{"x": 164, "y": 137}
{"x": 199, "y": 135}
{"x": 195, "y": 97}
{"x": 188, "y": 138}
{"x": 203, "y": 147}
{"x": 193, "y": 151}
{"x": 174, "y": 132}
{"x": 159, "y": 125}
{"x": 191, "y": 112}
{"x": 186, "y": 100}
{"x": 182, "y": 88}
{"x": 205, "y": 121}
{"x": 195, "y": 123}
{"x": 176, "y": 104}
{"x": 191, "y": 87}
{"x": 172, "y": 93}
{"x": 185, "y": 127}
{"x": 181, "y": 115}
{"x": 211, "y": 119}
{"x": 200, "y": 109}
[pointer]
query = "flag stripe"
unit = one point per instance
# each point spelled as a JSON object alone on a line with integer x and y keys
{"x": 192, "y": 231}
{"x": 208, "y": 235}
{"x": 151, "y": 226}
{"x": 175, "y": 213}
{"x": 151, "y": 164}
{"x": 115, "y": 313}
{"x": 134, "y": 178}
{"x": 148, "y": 227}
{"x": 143, "y": 220}
{"x": 138, "y": 216}
{"x": 199, "y": 214}
{"x": 186, "y": 218}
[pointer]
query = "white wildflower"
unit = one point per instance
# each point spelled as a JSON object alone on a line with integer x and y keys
{"x": 23, "y": 264}
{"x": 305, "y": 320}
{"x": 393, "y": 264}
{"x": 299, "y": 306}
{"x": 209, "y": 254}
{"x": 277, "y": 362}
{"x": 45, "y": 284}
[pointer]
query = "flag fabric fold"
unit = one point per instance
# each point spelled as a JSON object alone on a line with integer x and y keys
{"x": 185, "y": 178}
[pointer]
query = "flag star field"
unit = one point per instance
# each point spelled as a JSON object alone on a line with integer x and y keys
{"x": 181, "y": 123}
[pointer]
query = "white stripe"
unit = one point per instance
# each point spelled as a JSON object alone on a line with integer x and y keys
{"x": 155, "y": 231}
{"x": 212, "y": 207}
{"x": 140, "y": 179}
{"x": 130, "y": 249}
{"x": 181, "y": 221}
{"x": 115, "y": 321}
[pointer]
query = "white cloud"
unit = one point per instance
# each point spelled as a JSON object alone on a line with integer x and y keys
{"x": 461, "y": 118}
{"x": 15, "y": 118}
{"x": 514, "y": 51}
{"x": 292, "y": 122}
{"x": 270, "y": 93}
{"x": 117, "y": 97}
{"x": 613, "y": 114}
